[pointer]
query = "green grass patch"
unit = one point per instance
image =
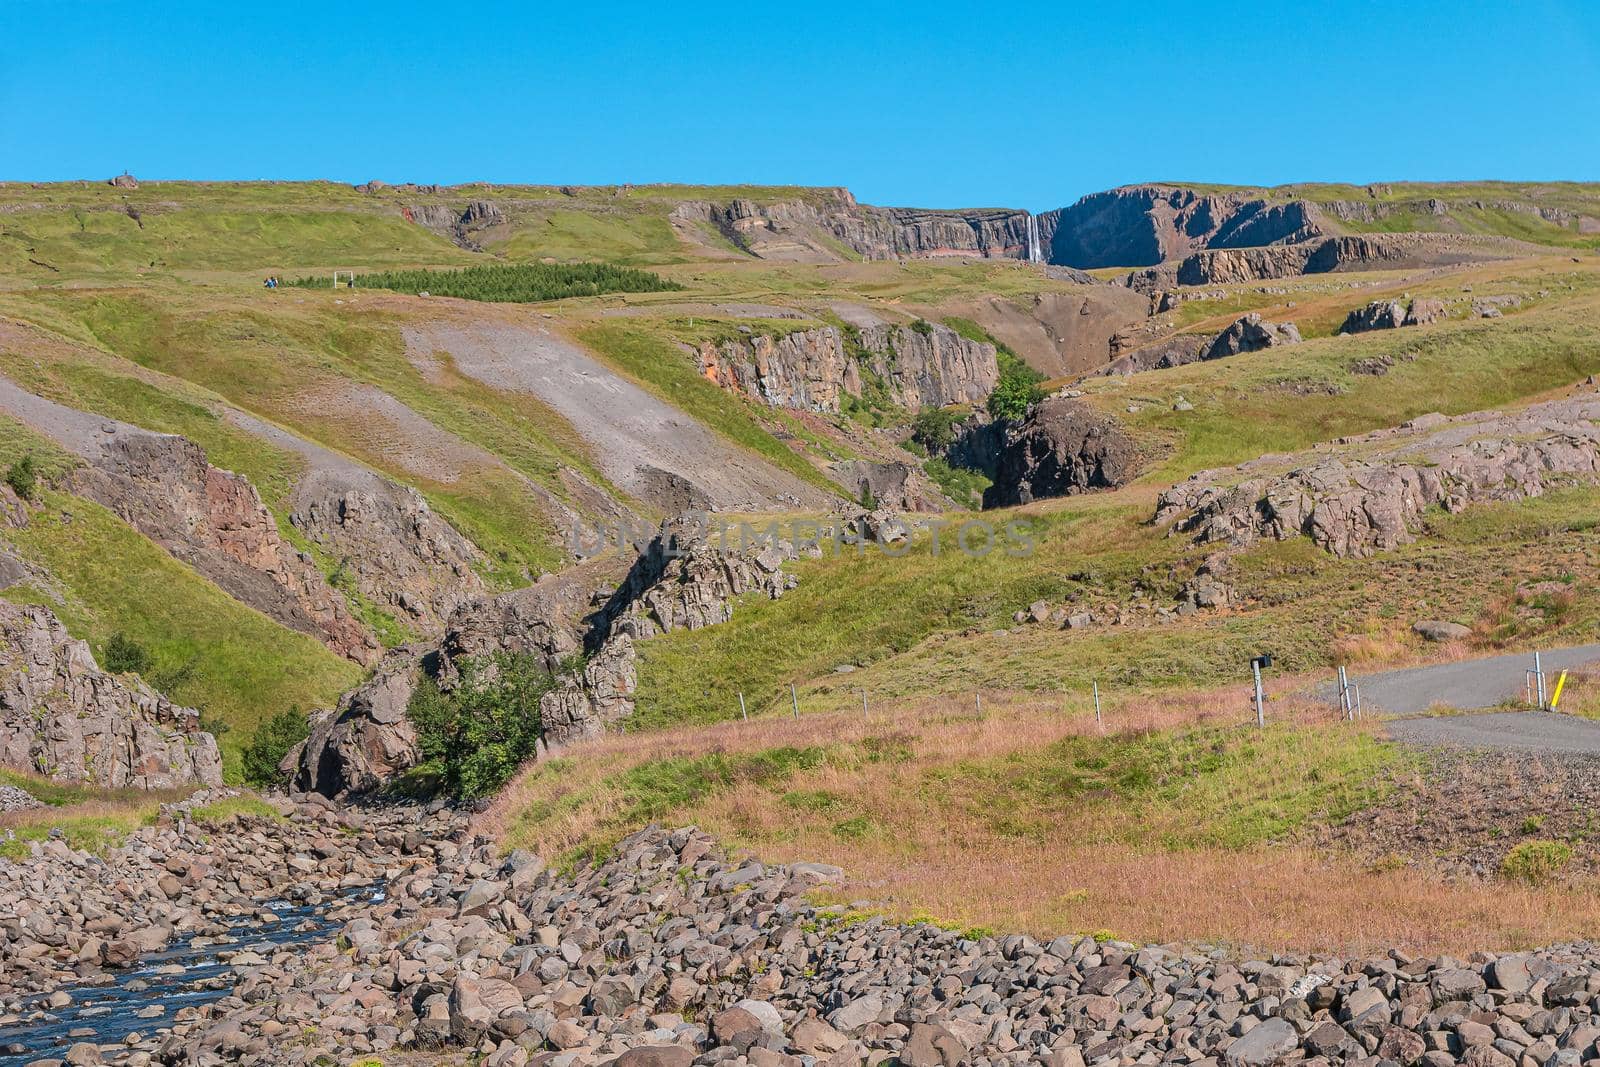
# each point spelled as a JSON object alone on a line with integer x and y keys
{"x": 659, "y": 365}
{"x": 867, "y": 607}
{"x": 1287, "y": 398}
{"x": 1230, "y": 788}
{"x": 1535, "y": 862}
{"x": 245, "y": 804}
{"x": 89, "y": 833}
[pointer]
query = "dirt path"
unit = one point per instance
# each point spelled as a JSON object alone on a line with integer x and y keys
{"x": 79, "y": 432}
{"x": 644, "y": 445}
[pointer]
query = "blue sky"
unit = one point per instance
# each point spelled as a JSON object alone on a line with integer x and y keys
{"x": 932, "y": 104}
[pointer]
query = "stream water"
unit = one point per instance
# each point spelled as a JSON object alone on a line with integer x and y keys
{"x": 182, "y": 975}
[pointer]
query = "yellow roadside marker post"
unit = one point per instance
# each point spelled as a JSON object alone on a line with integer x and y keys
{"x": 1554, "y": 697}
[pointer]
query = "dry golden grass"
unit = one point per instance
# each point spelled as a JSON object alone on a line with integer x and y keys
{"x": 929, "y": 848}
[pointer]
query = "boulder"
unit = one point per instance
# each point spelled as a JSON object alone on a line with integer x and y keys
{"x": 1439, "y": 630}
{"x": 1263, "y": 1044}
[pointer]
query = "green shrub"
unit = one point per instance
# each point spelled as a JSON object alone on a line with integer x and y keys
{"x": 23, "y": 477}
{"x": 1535, "y": 862}
{"x": 124, "y": 655}
{"x": 481, "y": 731}
{"x": 1017, "y": 389}
{"x": 935, "y": 428}
{"x": 271, "y": 743}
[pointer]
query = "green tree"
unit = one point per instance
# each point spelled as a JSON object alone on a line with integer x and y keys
{"x": 23, "y": 477}
{"x": 1016, "y": 391}
{"x": 482, "y": 730}
{"x": 271, "y": 743}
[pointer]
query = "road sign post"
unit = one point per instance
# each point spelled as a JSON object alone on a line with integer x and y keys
{"x": 1256, "y": 664}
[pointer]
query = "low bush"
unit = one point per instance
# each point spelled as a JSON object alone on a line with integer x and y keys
{"x": 1535, "y": 862}
{"x": 271, "y": 743}
{"x": 124, "y": 655}
{"x": 23, "y": 477}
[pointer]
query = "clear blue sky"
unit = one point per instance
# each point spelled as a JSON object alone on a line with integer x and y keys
{"x": 932, "y": 104}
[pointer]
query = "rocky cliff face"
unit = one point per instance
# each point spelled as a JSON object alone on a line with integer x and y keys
{"x": 921, "y": 365}
{"x": 929, "y": 365}
{"x": 1372, "y": 499}
{"x": 1143, "y": 225}
{"x": 60, "y": 715}
{"x": 214, "y": 520}
{"x": 806, "y": 231}
{"x": 1225, "y": 266}
{"x": 807, "y": 369}
{"x": 679, "y": 581}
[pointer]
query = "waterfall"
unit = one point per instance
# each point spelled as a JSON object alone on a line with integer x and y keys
{"x": 1035, "y": 254}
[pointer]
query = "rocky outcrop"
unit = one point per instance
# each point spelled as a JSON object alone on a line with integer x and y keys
{"x": 1142, "y": 225}
{"x": 367, "y": 741}
{"x": 1389, "y": 314}
{"x": 1064, "y": 446}
{"x": 398, "y": 552}
{"x": 584, "y": 704}
{"x": 214, "y": 520}
{"x": 1232, "y": 266}
{"x": 61, "y": 716}
{"x": 678, "y": 581}
{"x": 683, "y": 582}
{"x": 1249, "y": 333}
{"x": 923, "y": 364}
{"x": 897, "y": 486}
{"x": 1372, "y": 497}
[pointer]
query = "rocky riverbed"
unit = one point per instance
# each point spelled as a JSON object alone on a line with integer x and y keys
{"x": 671, "y": 952}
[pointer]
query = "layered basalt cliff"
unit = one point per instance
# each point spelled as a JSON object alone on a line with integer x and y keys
{"x": 806, "y": 369}
{"x": 62, "y": 716}
{"x": 807, "y": 230}
{"x": 919, "y": 365}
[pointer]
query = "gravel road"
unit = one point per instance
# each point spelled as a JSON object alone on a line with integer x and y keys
{"x": 1546, "y": 732}
{"x": 1469, "y": 684}
{"x": 1482, "y": 683}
